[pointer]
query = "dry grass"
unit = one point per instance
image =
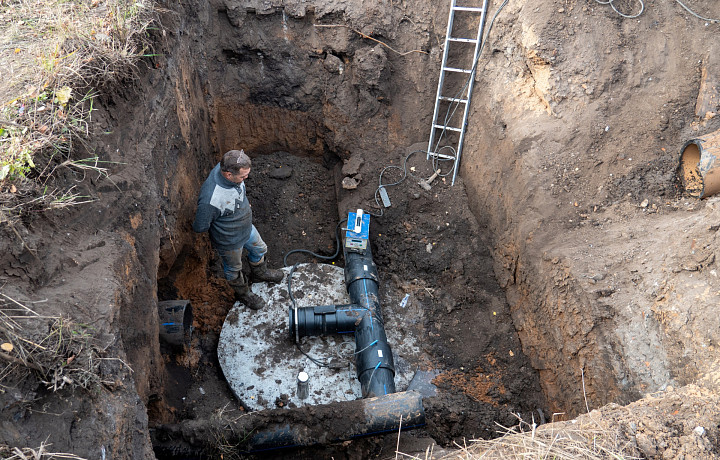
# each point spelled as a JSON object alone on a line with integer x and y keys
{"x": 56, "y": 56}
{"x": 223, "y": 447}
{"x": 27, "y": 453}
{"x": 583, "y": 439}
{"x": 60, "y": 352}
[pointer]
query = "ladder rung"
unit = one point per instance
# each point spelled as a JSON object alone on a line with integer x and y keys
{"x": 453, "y": 69}
{"x": 442, "y": 156}
{"x": 462, "y": 40}
{"x": 453, "y": 99}
{"x": 468, "y": 8}
{"x": 449, "y": 128}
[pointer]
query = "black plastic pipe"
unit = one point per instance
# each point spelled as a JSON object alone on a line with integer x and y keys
{"x": 324, "y": 319}
{"x": 373, "y": 356}
{"x": 303, "y": 426}
{"x": 374, "y": 360}
{"x": 175, "y": 322}
{"x": 374, "y": 416}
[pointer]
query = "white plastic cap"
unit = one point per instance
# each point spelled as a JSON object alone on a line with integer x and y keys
{"x": 303, "y": 376}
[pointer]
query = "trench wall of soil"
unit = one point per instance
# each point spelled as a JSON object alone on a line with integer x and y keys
{"x": 158, "y": 128}
{"x": 299, "y": 77}
{"x": 572, "y": 148}
{"x": 302, "y": 78}
{"x": 98, "y": 263}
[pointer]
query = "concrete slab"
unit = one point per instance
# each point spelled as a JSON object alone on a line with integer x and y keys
{"x": 261, "y": 363}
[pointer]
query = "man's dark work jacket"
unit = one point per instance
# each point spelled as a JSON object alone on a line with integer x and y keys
{"x": 223, "y": 210}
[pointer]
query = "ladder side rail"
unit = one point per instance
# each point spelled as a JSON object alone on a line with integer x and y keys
{"x": 471, "y": 84}
{"x": 441, "y": 81}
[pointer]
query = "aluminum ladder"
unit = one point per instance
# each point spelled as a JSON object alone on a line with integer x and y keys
{"x": 454, "y": 95}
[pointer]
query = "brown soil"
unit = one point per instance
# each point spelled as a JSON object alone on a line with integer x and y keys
{"x": 462, "y": 330}
{"x": 564, "y": 270}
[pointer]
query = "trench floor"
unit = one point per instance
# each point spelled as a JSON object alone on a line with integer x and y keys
{"x": 428, "y": 247}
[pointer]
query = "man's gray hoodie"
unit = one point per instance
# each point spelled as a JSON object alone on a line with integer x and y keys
{"x": 223, "y": 210}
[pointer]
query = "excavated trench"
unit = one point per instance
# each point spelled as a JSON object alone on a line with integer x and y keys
{"x": 557, "y": 275}
{"x": 323, "y": 111}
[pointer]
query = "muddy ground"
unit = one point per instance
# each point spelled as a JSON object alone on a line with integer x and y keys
{"x": 425, "y": 245}
{"x": 565, "y": 270}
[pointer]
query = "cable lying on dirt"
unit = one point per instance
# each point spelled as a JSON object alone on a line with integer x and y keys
{"x": 697, "y": 15}
{"x": 627, "y": 16}
{"x": 391, "y": 184}
{"x": 642, "y": 8}
{"x": 307, "y": 251}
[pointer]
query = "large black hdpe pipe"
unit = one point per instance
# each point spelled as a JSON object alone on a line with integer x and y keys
{"x": 373, "y": 416}
{"x": 282, "y": 428}
{"x": 373, "y": 357}
{"x": 374, "y": 360}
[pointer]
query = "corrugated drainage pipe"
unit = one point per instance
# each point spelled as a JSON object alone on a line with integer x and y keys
{"x": 699, "y": 168}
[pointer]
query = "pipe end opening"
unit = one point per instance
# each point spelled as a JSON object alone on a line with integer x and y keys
{"x": 689, "y": 171}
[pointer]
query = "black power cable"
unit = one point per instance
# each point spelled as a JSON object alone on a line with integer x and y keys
{"x": 307, "y": 251}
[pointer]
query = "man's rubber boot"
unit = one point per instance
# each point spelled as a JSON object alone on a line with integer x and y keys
{"x": 261, "y": 272}
{"x": 244, "y": 294}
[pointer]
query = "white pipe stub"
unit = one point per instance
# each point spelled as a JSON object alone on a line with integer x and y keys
{"x": 303, "y": 389}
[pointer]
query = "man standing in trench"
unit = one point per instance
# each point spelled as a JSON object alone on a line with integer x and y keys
{"x": 223, "y": 210}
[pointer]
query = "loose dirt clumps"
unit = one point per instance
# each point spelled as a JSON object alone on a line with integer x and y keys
{"x": 645, "y": 429}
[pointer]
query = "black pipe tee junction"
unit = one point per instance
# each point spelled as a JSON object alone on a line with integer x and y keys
{"x": 373, "y": 356}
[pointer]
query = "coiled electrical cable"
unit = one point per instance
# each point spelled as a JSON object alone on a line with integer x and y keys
{"x": 390, "y": 184}
{"x": 627, "y": 16}
{"x": 642, "y": 8}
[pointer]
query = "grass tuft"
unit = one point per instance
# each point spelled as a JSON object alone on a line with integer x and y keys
{"x": 27, "y": 453}
{"x": 58, "y": 351}
{"x": 586, "y": 438}
{"x": 57, "y": 56}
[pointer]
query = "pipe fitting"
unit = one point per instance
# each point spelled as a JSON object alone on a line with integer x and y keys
{"x": 324, "y": 319}
{"x": 175, "y": 322}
